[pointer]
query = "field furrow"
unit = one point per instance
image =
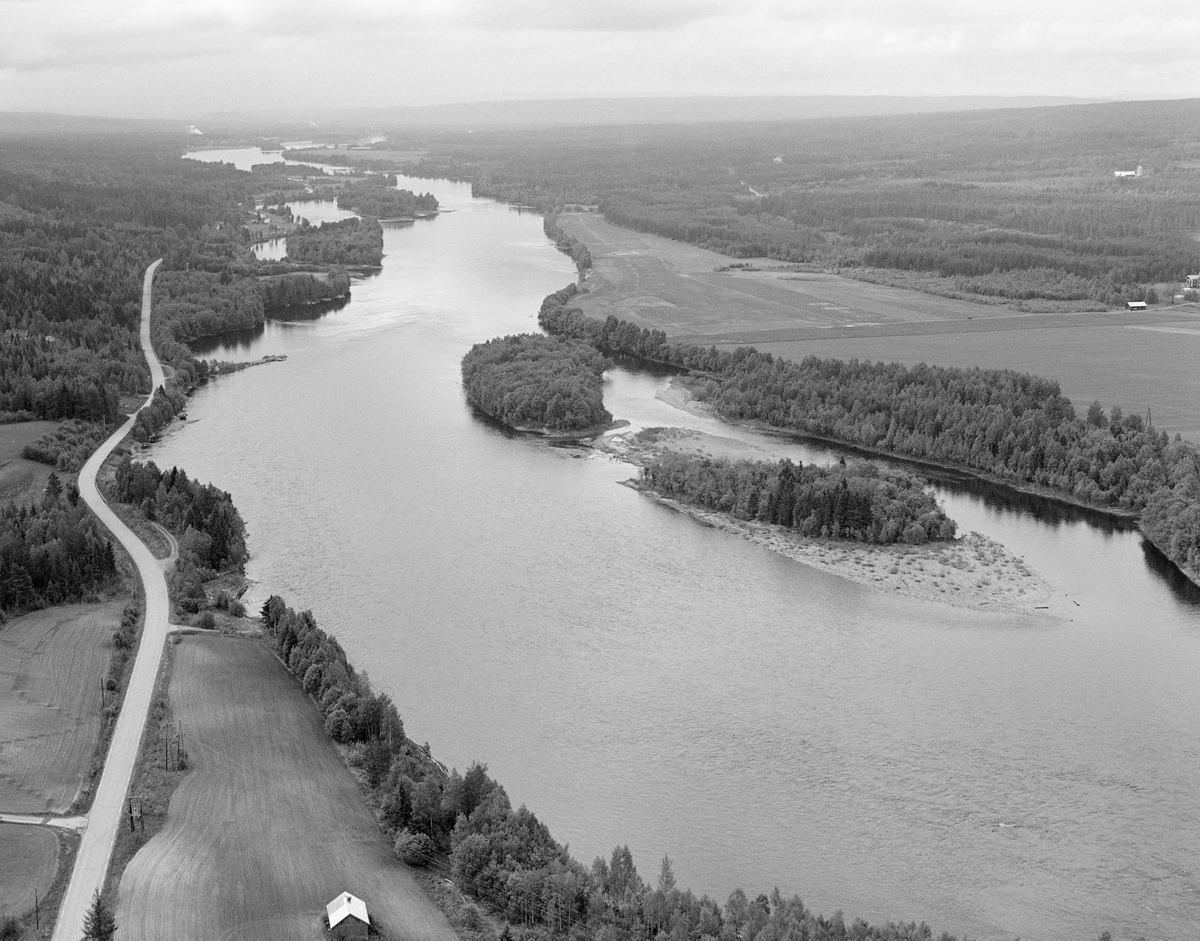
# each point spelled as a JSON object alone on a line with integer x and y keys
{"x": 52, "y": 664}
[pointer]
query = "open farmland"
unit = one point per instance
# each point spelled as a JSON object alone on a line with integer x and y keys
{"x": 269, "y": 825}
{"x": 51, "y": 666}
{"x": 1138, "y": 360}
{"x": 21, "y": 478}
{"x": 28, "y": 858}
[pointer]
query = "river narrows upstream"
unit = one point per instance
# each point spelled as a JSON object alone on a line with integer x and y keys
{"x": 637, "y": 678}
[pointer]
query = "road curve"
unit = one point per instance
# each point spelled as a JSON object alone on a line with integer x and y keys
{"x": 95, "y": 848}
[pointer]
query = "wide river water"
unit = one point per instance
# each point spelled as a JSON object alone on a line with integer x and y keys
{"x": 636, "y": 678}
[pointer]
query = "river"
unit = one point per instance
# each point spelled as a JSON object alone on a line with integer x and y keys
{"x": 634, "y": 677}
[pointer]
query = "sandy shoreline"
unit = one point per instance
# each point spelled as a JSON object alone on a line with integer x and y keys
{"x": 972, "y": 571}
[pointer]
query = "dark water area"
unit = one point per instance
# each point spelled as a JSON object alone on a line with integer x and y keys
{"x": 634, "y": 677}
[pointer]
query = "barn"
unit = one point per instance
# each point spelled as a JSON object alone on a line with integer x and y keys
{"x": 348, "y": 918}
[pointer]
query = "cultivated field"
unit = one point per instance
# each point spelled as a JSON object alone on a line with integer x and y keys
{"x": 269, "y": 825}
{"x": 1137, "y": 360}
{"x": 51, "y": 666}
{"x": 20, "y": 478}
{"x": 28, "y": 858}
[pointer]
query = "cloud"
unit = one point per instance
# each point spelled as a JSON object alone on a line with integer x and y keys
{"x": 187, "y": 56}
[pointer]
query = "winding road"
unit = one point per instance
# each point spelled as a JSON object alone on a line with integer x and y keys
{"x": 95, "y": 849}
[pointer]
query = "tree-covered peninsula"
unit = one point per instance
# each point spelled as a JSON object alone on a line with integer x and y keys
{"x": 533, "y": 382}
{"x": 858, "y": 502}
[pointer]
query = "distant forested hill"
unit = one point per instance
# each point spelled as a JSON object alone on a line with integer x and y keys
{"x": 1015, "y": 205}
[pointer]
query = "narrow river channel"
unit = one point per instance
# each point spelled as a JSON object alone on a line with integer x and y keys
{"x": 634, "y": 677}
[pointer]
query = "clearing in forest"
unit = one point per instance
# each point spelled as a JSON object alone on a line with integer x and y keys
{"x": 269, "y": 825}
{"x": 28, "y": 859}
{"x": 675, "y": 287}
{"x": 52, "y": 664}
{"x": 19, "y": 477}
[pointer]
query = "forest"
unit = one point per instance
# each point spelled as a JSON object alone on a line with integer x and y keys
{"x": 1015, "y": 426}
{"x": 537, "y": 382}
{"x": 857, "y": 502}
{"x": 1009, "y": 206}
{"x": 464, "y": 826}
{"x": 52, "y": 551}
{"x": 212, "y": 534}
{"x": 357, "y": 242}
{"x": 195, "y": 303}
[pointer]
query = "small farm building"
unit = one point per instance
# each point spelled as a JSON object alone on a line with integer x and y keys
{"x": 348, "y": 918}
{"x": 1135, "y": 305}
{"x": 1193, "y": 281}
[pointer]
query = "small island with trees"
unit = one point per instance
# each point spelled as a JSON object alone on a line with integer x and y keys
{"x": 537, "y": 383}
{"x": 356, "y": 242}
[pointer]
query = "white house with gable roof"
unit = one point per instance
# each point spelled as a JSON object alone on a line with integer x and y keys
{"x": 348, "y": 918}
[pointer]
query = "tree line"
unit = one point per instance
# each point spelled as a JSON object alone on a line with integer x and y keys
{"x": 1012, "y": 425}
{"x": 532, "y": 381}
{"x": 857, "y": 502}
{"x": 505, "y": 858}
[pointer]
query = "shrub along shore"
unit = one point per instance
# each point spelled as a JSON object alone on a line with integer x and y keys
{"x": 1012, "y": 426}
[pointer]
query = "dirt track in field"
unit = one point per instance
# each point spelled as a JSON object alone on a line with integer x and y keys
{"x": 269, "y": 825}
{"x": 28, "y": 859}
{"x": 51, "y": 665}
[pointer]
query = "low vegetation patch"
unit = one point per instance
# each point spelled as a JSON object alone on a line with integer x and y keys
{"x": 537, "y": 382}
{"x": 68, "y": 446}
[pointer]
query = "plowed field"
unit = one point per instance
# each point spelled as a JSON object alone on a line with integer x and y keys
{"x": 28, "y": 857}
{"x": 51, "y": 666}
{"x": 269, "y": 825}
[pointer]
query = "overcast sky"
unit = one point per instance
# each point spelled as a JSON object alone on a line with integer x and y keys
{"x": 180, "y": 58}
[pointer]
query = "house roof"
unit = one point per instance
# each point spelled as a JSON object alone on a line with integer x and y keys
{"x": 343, "y": 907}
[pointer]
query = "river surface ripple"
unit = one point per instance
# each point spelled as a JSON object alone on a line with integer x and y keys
{"x": 637, "y": 678}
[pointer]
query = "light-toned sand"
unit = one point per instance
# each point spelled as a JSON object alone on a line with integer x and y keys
{"x": 972, "y": 571}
